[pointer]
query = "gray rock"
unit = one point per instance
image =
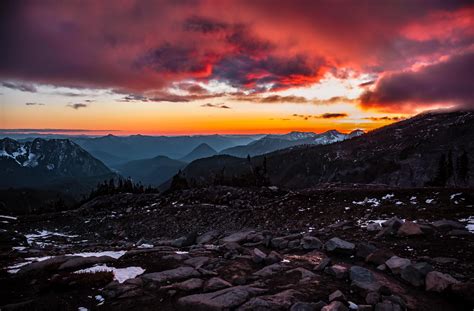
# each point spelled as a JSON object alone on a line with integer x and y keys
{"x": 380, "y": 256}
{"x": 271, "y": 270}
{"x": 447, "y": 225}
{"x": 80, "y": 262}
{"x": 295, "y": 244}
{"x": 387, "y": 306}
{"x": 322, "y": 264}
{"x": 365, "y": 249}
{"x": 307, "y": 306}
{"x": 415, "y": 274}
{"x": 397, "y": 264}
{"x": 258, "y": 256}
{"x": 280, "y": 301}
{"x": 372, "y": 298}
{"x": 237, "y": 237}
{"x": 187, "y": 285}
{"x": 374, "y": 226}
{"x": 273, "y": 257}
{"x": 338, "y": 245}
{"x": 304, "y": 273}
{"x": 279, "y": 243}
{"x": 438, "y": 282}
{"x": 393, "y": 223}
{"x": 185, "y": 241}
{"x": 216, "y": 283}
{"x": 46, "y": 265}
{"x": 338, "y": 271}
{"x": 363, "y": 279}
{"x": 171, "y": 275}
{"x": 311, "y": 242}
{"x": 224, "y": 299}
{"x": 197, "y": 262}
{"x": 207, "y": 237}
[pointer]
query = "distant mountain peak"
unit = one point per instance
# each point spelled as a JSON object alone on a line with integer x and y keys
{"x": 203, "y": 150}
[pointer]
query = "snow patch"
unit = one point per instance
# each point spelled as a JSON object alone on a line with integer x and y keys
{"x": 120, "y": 274}
{"x": 8, "y": 217}
{"x": 388, "y": 196}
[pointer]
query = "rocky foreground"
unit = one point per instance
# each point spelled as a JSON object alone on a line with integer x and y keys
{"x": 223, "y": 248}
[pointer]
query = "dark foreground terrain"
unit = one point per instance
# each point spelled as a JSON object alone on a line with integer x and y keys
{"x": 223, "y": 248}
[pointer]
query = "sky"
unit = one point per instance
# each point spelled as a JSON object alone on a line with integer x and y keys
{"x": 221, "y": 66}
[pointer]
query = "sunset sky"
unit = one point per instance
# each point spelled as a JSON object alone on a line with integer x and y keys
{"x": 258, "y": 66}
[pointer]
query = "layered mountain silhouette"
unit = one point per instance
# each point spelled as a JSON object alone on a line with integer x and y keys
{"x": 201, "y": 151}
{"x": 431, "y": 149}
{"x": 57, "y": 164}
{"x": 152, "y": 171}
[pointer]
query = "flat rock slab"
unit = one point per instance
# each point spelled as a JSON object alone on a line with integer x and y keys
{"x": 171, "y": 275}
{"x": 338, "y": 245}
{"x": 280, "y": 301}
{"x": 363, "y": 278}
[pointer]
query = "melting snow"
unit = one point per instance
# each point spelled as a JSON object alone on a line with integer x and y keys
{"x": 181, "y": 252}
{"x": 388, "y": 196}
{"x": 8, "y": 217}
{"x": 43, "y": 234}
{"x": 82, "y": 309}
{"x": 120, "y": 274}
{"x": 455, "y": 195}
{"x": 113, "y": 254}
{"x": 429, "y": 201}
{"x": 373, "y": 202}
{"x": 470, "y": 223}
{"x": 144, "y": 245}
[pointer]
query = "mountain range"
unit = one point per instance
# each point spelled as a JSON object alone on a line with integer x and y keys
{"x": 430, "y": 149}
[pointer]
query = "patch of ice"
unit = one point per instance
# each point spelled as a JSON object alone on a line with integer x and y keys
{"x": 181, "y": 252}
{"x": 455, "y": 195}
{"x": 120, "y": 274}
{"x": 413, "y": 198}
{"x": 388, "y": 196}
{"x": 470, "y": 223}
{"x": 33, "y": 237}
{"x": 429, "y": 201}
{"x": 399, "y": 203}
{"x": 50, "y": 166}
{"x": 19, "y": 248}
{"x": 82, "y": 309}
{"x": 113, "y": 254}
{"x": 8, "y": 217}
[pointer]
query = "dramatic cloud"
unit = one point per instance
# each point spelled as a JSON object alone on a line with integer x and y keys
{"x": 385, "y": 118}
{"x": 34, "y": 104}
{"x": 322, "y": 116}
{"x": 209, "y": 105}
{"x": 20, "y": 86}
{"x": 448, "y": 81}
{"x": 77, "y": 106}
{"x": 145, "y": 47}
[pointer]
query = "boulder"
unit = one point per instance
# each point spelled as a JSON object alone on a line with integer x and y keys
{"x": 311, "y": 243}
{"x": 171, "y": 275}
{"x": 397, "y": 264}
{"x": 46, "y": 265}
{"x": 447, "y": 225}
{"x": 79, "y": 262}
{"x": 365, "y": 249}
{"x": 373, "y": 227}
{"x": 258, "y": 256}
{"x": 322, "y": 264}
{"x": 363, "y": 279}
{"x": 393, "y": 223}
{"x": 271, "y": 270}
{"x": 237, "y": 237}
{"x": 216, "y": 283}
{"x": 372, "y": 298}
{"x": 207, "y": 237}
{"x": 415, "y": 274}
{"x": 197, "y": 262}
{"x": 273, "y": 257}
{"x": 409, "y": 228}
{"x": 308, "y": 306}
{"x": 224, "y": 299}
{"x": 340, "y": 246}
{"x": 279, "y": 301}
{"x": 304, "y": 273}
{"x": 279, "y": 243}
{"x": 338, "y": 271}
{"x": 188, "y": 285}
{"x": 185, "y": 241}
{"x": 438, "y": 282}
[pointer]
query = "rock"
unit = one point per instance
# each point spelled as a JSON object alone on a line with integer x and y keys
{"x": 237, "y": 237}
{"x": 335, "y": 306}
{"x": 340, "y": 246}
{"x": 393, "y": 223}
{"x": 171, "y": 275}
{"x": 444, "y": 260}
{"x": 438, "y": 282}
{"x": 363, "y": 278}
{"x": 80, "y": 262}
{"x": 387, "y": 306}
{"x": 185, "y": 241}
{"x": 307, "y": 306}
{"x": 207, "y": 237}
{"x": 197, "y": 262}
{"x": 447, "y": 225}
{"x": 271, "y": 270}
{"x": 365, "y": 249}
{"x": 364, "y": 308}
{"x": 396, "y": 264}
{"x": 280, "y": 301}
{"x": 372, "y": 298}
{"x": 338, "y": 271}
{"x": 273, "y": 257}
{"x": 10, "y": 238}
{"x": 279, "y": 243}
{"x": 464, "y": 291}
{"x": 295, "y": 244}
{"x": 224, "y": 299}
{"x": 396, "y": 300}
{"x": 311, "y": 242}
{"x": 374, "y": 226}
{"x": 304, "y": 274}
{"x": 459, "y": 232}
{"x": 409, "y": 228}
{"x": 415, "y": 274}
{"x": 216, "y": 283}
{"x": 258, "y": 256}
{"x": 46, "y": 265}
{"x": 322, "y": 264}
{"x": 337, "y": 296}
{"x": 187, "y": 285}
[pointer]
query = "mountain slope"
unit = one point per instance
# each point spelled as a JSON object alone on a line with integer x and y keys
{"x": 153, "y": 171}
{"x": 275, "y": 142}
{"x": 49, "y": 164}
{"x": 435, "y": 148}
{"x": 201, "y": 151}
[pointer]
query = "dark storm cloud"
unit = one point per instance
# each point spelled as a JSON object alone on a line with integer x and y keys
{"x": 221, "y": 106}
{"x": 203, "y": 24}
{"x": 447, "y": 81}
